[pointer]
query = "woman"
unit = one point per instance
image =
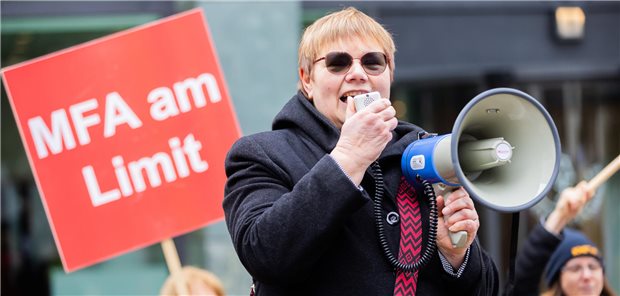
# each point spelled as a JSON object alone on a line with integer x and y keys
{"x": 299, "y": 199}
{"x": 574, "y": 263}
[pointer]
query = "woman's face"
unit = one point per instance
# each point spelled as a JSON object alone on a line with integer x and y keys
{"x": 327, "y": 89}
{"x": 582, "y": 276}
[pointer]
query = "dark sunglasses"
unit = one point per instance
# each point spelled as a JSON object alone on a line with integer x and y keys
{"x": 374, "y": 63}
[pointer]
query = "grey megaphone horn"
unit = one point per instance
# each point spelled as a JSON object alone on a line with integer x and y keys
{"x": 504, "y": 150}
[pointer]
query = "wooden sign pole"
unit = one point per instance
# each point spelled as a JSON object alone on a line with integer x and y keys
{"x": 604, "y": 174}
{"x": 174, "y": 265}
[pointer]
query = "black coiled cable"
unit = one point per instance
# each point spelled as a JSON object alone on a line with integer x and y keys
{"x": 432, "y": 233}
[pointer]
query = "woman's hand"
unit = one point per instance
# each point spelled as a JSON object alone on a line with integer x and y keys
{"x": 363, "y": 136}
{"x": 456, "y": 213}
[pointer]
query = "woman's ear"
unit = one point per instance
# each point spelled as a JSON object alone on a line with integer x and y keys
{"x": 306, "y": 82}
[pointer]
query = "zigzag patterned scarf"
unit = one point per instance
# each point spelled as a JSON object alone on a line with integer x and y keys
{"x": 410, "y": 237}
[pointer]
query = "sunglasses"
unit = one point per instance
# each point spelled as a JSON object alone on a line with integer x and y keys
{"x": 374, "y": 63}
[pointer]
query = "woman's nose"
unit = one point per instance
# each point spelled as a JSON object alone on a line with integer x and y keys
{"x": 586, "y": 272}
{"x": 357, "y": 71}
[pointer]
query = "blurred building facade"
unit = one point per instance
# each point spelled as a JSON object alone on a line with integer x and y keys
{"x": 447, "y": 52}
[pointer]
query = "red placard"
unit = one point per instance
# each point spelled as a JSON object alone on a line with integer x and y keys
{"x": 126, "y": 136}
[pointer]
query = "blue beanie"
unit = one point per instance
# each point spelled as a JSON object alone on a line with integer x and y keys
{"x": 574, "y": 244}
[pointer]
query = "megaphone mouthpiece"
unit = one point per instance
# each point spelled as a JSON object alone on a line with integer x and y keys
{"x": 480, "y": 155}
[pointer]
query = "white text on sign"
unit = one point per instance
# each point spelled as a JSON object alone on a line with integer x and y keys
{"x": 165, "y": 103}
{"x": 130, "y": 177}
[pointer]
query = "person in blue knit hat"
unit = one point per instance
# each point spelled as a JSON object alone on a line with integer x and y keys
{"x": 574, "y": 264}
{"x": 578, "y": 261}
{"x": 574, "y": 245}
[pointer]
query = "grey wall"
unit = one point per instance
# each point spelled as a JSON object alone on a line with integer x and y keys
{"x": 257, "y": 46}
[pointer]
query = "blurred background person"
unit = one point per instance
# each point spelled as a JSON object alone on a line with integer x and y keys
{"x": 198, "y": 282}
{"x": 574, "y": 264}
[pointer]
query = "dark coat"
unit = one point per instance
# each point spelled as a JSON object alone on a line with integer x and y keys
{"x": 301, "y": 227}
{"x": 532, "y": 259}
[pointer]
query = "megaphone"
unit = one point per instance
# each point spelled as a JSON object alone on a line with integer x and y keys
{"x": 504, "y": 150}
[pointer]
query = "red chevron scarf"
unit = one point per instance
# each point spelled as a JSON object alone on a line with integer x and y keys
{"x": 410, "y": 237}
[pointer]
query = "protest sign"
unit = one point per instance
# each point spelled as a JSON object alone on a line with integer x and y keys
{"x": 126, "y": 136}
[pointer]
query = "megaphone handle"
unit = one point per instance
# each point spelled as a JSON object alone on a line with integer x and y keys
{"x": 458, "y": 238}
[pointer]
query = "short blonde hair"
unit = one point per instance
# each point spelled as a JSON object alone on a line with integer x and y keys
{"x": 194, "y": 276}
{"x": 339, "y": 25}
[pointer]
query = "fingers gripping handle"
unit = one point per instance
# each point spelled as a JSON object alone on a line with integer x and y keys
{"x": 459, "y": 238}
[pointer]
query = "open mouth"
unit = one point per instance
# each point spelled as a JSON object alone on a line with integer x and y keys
{"x": 344, "y": 97}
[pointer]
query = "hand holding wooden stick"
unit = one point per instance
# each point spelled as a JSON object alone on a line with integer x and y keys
{"x": 573, "y": 199}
